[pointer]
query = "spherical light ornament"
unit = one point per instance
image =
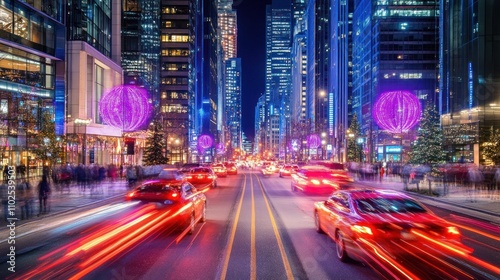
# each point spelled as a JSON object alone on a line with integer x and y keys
{"x": 205, "y": 141}
{"x": 313, "y": 141}
{"x": 125, "y": 107}
{"x": 397, "y": 111}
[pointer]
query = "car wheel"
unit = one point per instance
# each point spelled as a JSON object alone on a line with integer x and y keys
{"x": 294, "y": 188}
{"x": 204, "y": 213}
{"x": 317, "y": 222}
{"x": 341, "y": 252}
{"x": 191, "y": 224}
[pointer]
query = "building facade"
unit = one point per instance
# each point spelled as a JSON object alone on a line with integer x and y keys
{"x": 233, "y": 101}
{"x": 395, "y": 48}
{"x": 470, "y": 77}
{"x": 32, "y": 75}
{"x": 177, "y": 79}
{"x": 278, "y": 72}
{"x": 93, "y": 67}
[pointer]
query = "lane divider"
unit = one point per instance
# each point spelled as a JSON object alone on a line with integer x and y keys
{"x": 230, "y": 242}
{"x": 284, "y": 257}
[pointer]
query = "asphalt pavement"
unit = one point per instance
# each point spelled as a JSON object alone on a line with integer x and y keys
{"x": 477, "y": 203}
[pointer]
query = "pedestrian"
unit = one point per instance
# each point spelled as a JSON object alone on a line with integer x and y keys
{"x": 382, "y": 171}
{"x": 5, "y": 174}
{"x": 43, "y": 194}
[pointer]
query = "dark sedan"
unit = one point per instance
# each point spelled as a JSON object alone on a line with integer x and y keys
{"x": 367, "y": 222}
{"x": 188, "y": 203}
{"x": 202, "y": 177}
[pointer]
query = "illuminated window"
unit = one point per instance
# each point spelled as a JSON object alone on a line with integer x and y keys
{"x": 175, "y": 52}
{"x": 174, "y": 38}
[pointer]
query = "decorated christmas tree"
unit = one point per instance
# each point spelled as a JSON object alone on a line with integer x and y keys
{"x": 47, "y": 145}
{"x": 354, "y": 150}
{"x": 491, "y": 146}
{"x": 156, "y": 145}
{"x": 428, "y": 147}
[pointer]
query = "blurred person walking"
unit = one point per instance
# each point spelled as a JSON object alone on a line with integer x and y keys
{"x": 43, "y": 194}
{"x": 382, "y": 171}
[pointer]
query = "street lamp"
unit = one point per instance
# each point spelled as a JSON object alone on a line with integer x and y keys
{"x": 84, "y": 123}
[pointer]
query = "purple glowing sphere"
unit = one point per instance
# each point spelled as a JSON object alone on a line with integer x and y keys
{"x": 397, "y": 111}
{"x": 125, "y": 107}
{"x": 313, "y": 141}
{"x": 220, "y": 148}
{"x": 205, "y": 141}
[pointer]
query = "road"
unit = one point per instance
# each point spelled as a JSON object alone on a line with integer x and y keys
{"x": 256, "y": 228}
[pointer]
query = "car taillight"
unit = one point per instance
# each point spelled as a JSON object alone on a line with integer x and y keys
{"x": 362, "y": 229}
{"x": 452, "y": 232}
{"x": 189, "y": 177}
{"x": 130, "y": 195}
{"x": 316, "y": 182}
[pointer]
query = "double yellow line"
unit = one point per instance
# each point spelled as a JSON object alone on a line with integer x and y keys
{"x": 253, "y": 252}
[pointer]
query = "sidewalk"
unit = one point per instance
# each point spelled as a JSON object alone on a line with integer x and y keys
{"x": 68, "y": 198}
{"x": 479, "y": 203}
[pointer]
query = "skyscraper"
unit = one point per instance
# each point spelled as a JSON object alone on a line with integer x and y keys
{"x": 318, "y": 68}
{"x": 93, "y": 66}
{"x": 32, "y": 78}
{"x": 470, "y": 77}
{"x": 141, "y": 45}
{"x": 340, "y": 85}
{"x": 233, "y": 101}
{"x": 395, "y": 47}
{"x": 278, "y": 72}
{"x": 177, "y": 77}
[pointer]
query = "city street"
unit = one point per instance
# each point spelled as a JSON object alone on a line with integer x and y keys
{"x": 256, "y": 228}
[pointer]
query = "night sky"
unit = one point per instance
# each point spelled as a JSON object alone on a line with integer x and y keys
{"x": 252, "y": 51}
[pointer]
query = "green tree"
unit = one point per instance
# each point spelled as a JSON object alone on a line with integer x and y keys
{"x": 428, "y": 147}
{"x": 156, "y": 145}
{"x": 47, "y": 146}
{"x": 354, "y": 150}
{"x": 491, "y": 146}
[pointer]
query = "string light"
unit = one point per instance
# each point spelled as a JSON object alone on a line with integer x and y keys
{"x": 313, "y": 141}
{"x": 397, "y": 111}
{"x": 205, "y": 141}
{"x": 125, "y": 107}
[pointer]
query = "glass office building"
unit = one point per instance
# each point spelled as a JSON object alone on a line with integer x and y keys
{"x": 32, "y": 54}
{"x": 395, "y": 47}
{"x": 470, "y": 77}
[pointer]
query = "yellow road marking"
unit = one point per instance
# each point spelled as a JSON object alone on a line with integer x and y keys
{"x": 286, "y": 263}
{"x": 253, "y": 253}
{"x": 233, "y": 233}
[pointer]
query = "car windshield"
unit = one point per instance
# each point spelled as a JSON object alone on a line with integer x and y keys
{"x": 318, "y": 174}
{"x": 388, "y": 205}
{"x": 200, "y": 170}
{"x": 168, "y": 174}
{"x": 155, "y": 187}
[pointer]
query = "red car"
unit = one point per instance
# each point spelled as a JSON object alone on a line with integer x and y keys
{"x": 231, "y": 168}
{"x": 361, "y": 221}
{"x": 182, "y": 196}
{"x": 318, "y": 179}
{"x": 288, "y": 170}
{"x": 202, "y": 177}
